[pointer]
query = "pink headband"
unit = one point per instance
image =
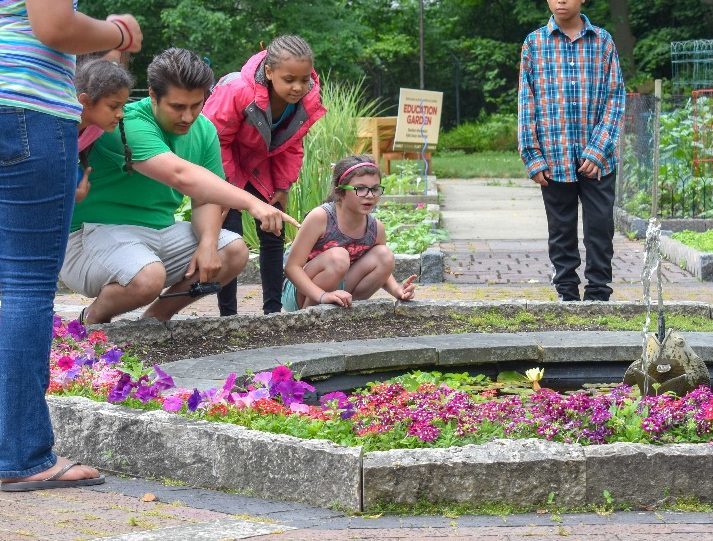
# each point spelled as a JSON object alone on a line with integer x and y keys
{"x": 353, "y": 167}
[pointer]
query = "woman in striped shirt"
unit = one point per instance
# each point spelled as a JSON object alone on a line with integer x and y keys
{"x": 39, "y": 113}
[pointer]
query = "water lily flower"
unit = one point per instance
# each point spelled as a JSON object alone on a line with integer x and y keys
{"x": 534, "y": 375}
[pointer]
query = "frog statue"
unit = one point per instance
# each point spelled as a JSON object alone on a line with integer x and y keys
{"x": 672, "y": 364}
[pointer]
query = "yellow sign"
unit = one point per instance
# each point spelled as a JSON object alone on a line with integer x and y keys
{"x": 419, "y": 119}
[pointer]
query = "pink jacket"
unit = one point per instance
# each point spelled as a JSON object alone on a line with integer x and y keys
{"x": 239, "y": 107}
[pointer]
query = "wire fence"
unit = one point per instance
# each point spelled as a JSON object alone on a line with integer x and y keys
{"x": 684, "y": 161}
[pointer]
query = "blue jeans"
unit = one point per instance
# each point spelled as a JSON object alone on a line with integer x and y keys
{"x": 38, "y": 177}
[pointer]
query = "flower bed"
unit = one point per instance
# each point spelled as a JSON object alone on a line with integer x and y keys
{"x": 416, "y": 410}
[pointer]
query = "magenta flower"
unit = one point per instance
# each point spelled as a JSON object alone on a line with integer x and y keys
{"x": 263, "y": 377}
{"x": 65, "y": 362}
{"x": 121, "y": 390}
{"x": 281, "y": 373}
{"x": 172, "y": 403}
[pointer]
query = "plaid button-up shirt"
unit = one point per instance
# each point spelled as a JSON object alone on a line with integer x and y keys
{"x": 570, "y": 101}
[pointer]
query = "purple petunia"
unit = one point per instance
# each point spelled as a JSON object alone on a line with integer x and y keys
{"x": 112, "y": 356}
{"x": 194, "y": 400}
{"x": 121, "y": 390}
{"x": 77, "y": 330}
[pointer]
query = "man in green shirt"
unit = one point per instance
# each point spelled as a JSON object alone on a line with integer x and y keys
{"x": 125, "y": 246}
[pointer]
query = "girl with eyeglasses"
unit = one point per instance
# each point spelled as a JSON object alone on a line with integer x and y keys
{"x": 340, "y": 252}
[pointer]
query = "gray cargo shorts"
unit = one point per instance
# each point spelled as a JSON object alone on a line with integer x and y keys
{"x": 101, "y": 254}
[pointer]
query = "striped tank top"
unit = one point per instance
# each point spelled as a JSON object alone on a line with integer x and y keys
{"x": 33, "y": 76}
{"x": 333, "y": 236}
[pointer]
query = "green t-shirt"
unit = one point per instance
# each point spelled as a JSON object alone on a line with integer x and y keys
{"x": 116, "y": 197}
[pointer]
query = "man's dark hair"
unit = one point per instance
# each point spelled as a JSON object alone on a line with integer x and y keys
{"x": 180, "y": 68}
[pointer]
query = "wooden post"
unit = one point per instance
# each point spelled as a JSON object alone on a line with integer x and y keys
{"x": 656, "y": 158}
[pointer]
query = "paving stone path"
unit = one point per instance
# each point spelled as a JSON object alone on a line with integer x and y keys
{"x": 498, "y": 236}
{"x": 116, "y": 512}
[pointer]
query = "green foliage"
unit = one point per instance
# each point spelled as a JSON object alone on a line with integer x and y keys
{"x": 493, "y": 133}
{"x": 700, "y": 241}
{"x": 407, "y": 231}
{"x": 460, "y": 382}
{"x": 685, "y": 188}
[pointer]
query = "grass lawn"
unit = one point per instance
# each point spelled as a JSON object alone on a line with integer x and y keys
{"x": 481, "y": 164}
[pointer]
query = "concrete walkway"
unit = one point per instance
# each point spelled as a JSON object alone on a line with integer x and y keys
{"x": 497, "y": 251}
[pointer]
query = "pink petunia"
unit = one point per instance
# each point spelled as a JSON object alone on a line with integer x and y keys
{"x": 66, "y": 362}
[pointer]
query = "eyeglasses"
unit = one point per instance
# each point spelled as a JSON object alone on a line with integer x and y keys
{"x": 362, "y": 191}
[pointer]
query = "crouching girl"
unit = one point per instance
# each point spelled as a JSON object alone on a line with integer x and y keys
{"x": 340, "y": 252}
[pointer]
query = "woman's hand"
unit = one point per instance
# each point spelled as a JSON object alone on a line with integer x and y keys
{"x": 131, "y": 31}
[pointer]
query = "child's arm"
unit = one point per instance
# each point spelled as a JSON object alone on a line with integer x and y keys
{"x": 404, "y": 291}
{"x": 313, "y": 227}
{"x": 528, "y": 143}
{"x": 605, "y": 135}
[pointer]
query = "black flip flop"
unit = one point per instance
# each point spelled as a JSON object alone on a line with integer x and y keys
{"x": 52, "y": 482}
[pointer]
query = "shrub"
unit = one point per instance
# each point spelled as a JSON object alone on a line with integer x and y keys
{"x": 496, "y": 132}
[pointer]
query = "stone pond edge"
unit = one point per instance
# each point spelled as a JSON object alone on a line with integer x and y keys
{"x": 166, "y": 446}
{"x": 160, "y": 445}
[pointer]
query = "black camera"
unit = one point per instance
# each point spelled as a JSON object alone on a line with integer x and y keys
{"x": 197, "y": 289}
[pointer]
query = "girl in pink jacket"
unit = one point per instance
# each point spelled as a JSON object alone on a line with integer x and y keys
{"x": 262, "y": 113}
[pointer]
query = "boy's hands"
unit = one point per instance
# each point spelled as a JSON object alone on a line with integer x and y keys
{"x": 339, "y": 297}
{"x": 407, "y": 289}
{"x": 270, "y": 217}
{"x": 589, "y": 169}
{"x": 542, "y": 177}
{"x": 84, "y": 185}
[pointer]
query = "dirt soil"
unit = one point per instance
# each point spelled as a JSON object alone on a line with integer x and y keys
{"x": 334, "y": 331}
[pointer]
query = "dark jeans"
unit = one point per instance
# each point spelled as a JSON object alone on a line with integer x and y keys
{"x": 597, "y": 199}
{"x": 272, "y": 249}
{"x": 38, "y": 176}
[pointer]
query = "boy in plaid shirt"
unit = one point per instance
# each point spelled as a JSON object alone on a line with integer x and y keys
{"x": 570, "y": 105}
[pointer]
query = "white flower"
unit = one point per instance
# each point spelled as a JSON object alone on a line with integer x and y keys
{"x": 534, "y": 375}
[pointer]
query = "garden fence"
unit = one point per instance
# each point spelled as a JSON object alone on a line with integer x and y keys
{"x": 684, "y": 161}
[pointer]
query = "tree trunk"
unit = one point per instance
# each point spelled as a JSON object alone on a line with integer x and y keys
{"x": 623, "y": 37}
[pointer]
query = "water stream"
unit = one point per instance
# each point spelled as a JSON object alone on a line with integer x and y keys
{"x": 652, "y": 265}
